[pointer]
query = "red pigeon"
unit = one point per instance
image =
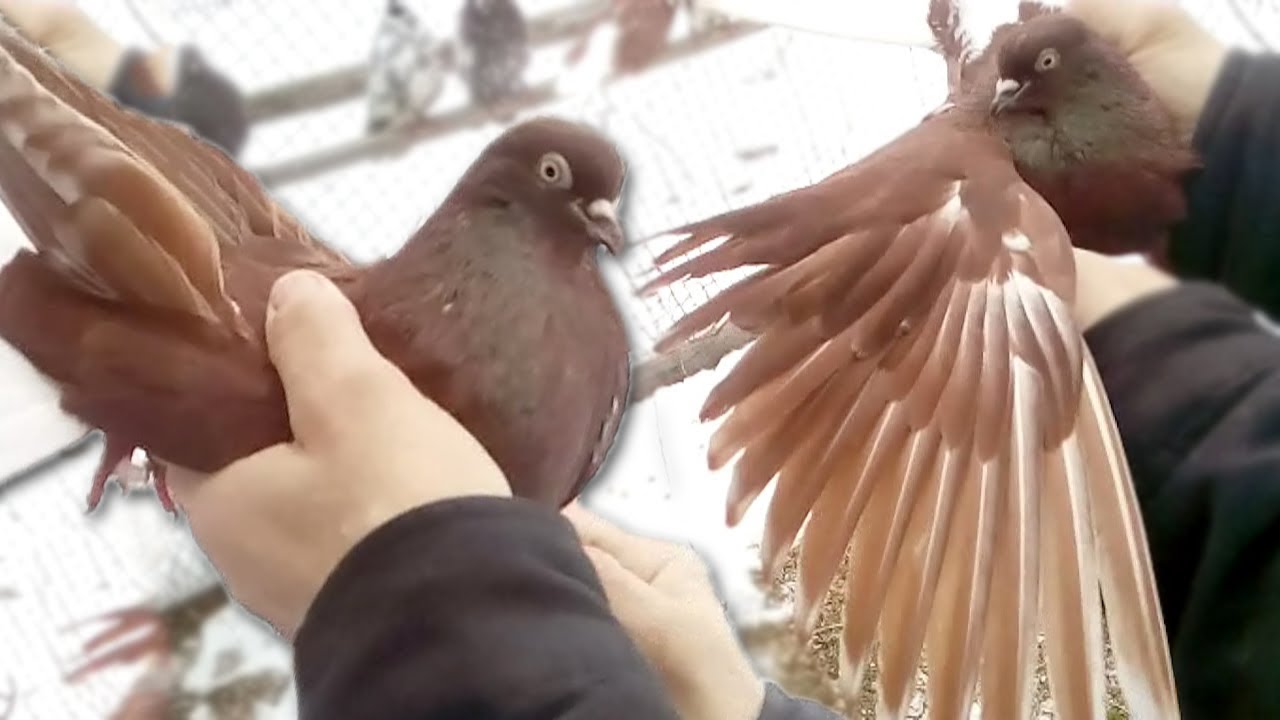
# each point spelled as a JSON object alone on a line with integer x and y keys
{"x": 145, "y": 297}
{"x": 925, "y": 401}
{"x": 643, "y": 30}
{"x": 1091, "y": 136}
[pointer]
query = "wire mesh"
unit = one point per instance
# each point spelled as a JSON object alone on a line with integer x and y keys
{"x": 729, "y": 126}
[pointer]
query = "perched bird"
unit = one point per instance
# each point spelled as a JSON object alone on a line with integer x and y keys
{"x": 926, "y": 402}
{"x": 495, "y": 49}
{"x": 145, "y": 297}
{"x": 642, "y": 29}
{"x": 407, "y": 70}
{"x": 1086, "y": 131}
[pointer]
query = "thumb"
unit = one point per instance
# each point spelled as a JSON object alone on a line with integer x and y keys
{"x": 317, "y": 345}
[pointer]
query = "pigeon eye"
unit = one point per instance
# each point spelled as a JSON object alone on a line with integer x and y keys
{"x": 1048, "y": 60}
{"x": 554, "y": 170}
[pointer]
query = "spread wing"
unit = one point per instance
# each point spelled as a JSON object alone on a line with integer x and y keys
{"x": 921, "y": 395}
{"x": 127, "y": 208}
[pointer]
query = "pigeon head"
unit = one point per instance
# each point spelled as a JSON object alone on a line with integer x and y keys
{"x": 566, "y": 175}
{"x": 1059, "y": 93}
{"x": 1042, "y": 62}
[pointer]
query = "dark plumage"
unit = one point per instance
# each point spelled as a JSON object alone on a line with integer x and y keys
{"x": 922, "y": 396}
{"x": 1086, "y": 130}
{"x": 643, "y": 28}
{"x": 146, "y": 296}
{"x": 495, "y": 45}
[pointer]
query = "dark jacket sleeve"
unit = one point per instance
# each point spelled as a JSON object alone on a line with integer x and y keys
{"x": 1194, "y": 378}
{"x": 475, "y": 608}
{"x": 1232, "y": 232}
{"x": 778, "y": 705}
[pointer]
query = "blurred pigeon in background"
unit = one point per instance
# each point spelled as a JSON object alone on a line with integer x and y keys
{"x": 641, "y": 30}
{"x": 495, "y": 42}
{"x": 407, "y": 69}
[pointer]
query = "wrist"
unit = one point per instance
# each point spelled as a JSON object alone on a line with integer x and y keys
{"x": 1200, "y": 66}
{"x": 726, "y": 696}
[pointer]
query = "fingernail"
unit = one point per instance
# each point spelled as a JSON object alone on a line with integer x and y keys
{"x": 292, "y": 286}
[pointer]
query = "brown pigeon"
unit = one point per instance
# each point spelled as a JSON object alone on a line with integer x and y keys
{"x": 925, "y": 401}
{"x": 643, "y": 28}
{"x": 145, "y": 298}
{"x": 1106, "y": 154}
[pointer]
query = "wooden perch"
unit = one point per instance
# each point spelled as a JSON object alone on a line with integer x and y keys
{"x": 687, "y": 359}
{"x": 397, "y": 141}
{"x": 349, "y": 82}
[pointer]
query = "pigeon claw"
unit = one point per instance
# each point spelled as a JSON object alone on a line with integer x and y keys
{"x": 117, "y": 463}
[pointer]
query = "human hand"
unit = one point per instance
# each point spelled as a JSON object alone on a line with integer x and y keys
{"x": 368, "y": 447}
{"x": 1177, "y": 57}
{"x": 69, "y": 35}
{"x": 661, "y": 594}
{"x": 1105, "y": 285}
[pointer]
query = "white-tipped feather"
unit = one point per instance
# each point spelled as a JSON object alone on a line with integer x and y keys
{"x": 875, "y": 550}
{"x": 1010, "y": 651}
{"x": 1133, "y": 607}
{"x": 912, "y": 593}
{"x": 33, "y": 427}
{"x": 1070, "y": 602}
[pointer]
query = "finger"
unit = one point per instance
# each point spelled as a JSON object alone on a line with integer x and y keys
{"x": 630, "y": 598}
{"x": 319, "y": 348}
{"x": 209, "y": 500}
{"x": 643, "y": 556}
{"x": 182, "y": 484}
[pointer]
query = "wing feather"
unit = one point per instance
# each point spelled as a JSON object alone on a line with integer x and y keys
{"x": 99, "y": 189}
{"x": 97, "y": 210}
{"x": 925, "y": 405}
{"x": 1134, "y": 621}
{"x": 1009, "y": 654}
{"x": 1070, "y": 607}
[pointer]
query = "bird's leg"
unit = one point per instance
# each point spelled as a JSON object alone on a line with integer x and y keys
{"x": 159, "y": 472}
{"x": 116, "y": 462}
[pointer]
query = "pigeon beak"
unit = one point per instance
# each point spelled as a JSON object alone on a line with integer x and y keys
{"x": 1007, "y": 94}
{"x": 603, "y": 226}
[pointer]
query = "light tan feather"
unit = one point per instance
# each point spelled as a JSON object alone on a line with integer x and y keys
{"x": 918, "y": 388}
{"x": 126, "y": 207}
{"x": 107, "y": 218}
